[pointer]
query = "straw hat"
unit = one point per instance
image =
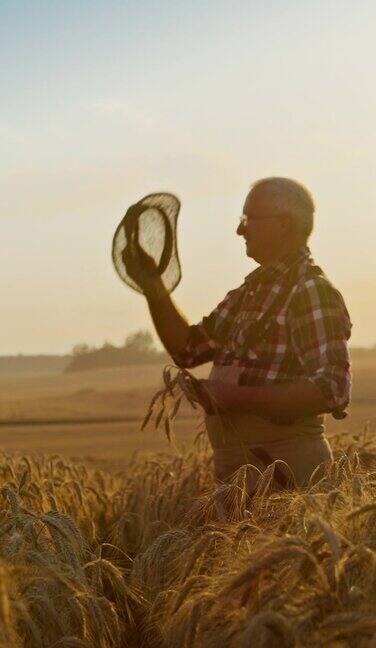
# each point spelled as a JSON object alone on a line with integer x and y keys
{"x": 150, "y": 224}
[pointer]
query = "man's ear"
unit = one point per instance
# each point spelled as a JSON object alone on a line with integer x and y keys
{"x": 288, "y": 225}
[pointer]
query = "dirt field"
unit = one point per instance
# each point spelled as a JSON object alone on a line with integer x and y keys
{"x": 56, "y": 403}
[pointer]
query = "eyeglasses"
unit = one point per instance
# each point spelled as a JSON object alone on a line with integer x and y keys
{"x": 244, "y": 219}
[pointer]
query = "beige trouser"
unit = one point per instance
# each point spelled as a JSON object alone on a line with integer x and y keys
{"x": 246, "y": 439}
{"x": 238, "y": 439}
{"x": 302, "y": 454}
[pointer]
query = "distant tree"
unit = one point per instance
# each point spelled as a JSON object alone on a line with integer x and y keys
{"x": 80, "y": 350}
{"x": 138, "y": 348}
{"x": 140, "y": 342}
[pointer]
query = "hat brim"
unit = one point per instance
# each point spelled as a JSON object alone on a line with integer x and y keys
{"x": 151, "y": 224}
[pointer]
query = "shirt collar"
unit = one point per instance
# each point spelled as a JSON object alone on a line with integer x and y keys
{"x": 279, "y": 269}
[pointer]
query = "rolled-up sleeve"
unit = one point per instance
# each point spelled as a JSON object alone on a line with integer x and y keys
{"x": 199, "y": 349}
{"x": 320, "y": 330}
{"x": 209, "y": 335}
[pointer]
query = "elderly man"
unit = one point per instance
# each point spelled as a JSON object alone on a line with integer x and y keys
{"x": 278, "y": 343}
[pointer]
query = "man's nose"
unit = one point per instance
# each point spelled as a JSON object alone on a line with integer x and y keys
{"x": 240, "y": 229}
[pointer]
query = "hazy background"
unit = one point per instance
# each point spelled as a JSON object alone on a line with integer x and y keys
{"x": 103, "y": 102}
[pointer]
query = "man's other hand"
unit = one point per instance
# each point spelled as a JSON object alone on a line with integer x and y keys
{"x": 211, "y": 395}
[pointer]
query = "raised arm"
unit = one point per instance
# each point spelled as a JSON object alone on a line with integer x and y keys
{"x": 189, "y": 345}
{"x": 171, "y": 325}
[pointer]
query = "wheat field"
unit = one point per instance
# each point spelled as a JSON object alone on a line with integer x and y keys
{"x": 160, "y": 556}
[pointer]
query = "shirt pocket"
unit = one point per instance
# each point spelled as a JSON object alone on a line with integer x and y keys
{"x": 241, "y": 330}
{"x": 272, "y": 345}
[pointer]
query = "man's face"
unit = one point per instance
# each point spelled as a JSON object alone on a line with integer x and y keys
{"x": 261, "y": 228}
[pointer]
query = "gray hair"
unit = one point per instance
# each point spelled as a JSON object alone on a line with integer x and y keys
{"x": 291, "y": 196}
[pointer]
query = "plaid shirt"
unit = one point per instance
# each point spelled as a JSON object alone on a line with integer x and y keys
{"x": 303, "y": 335}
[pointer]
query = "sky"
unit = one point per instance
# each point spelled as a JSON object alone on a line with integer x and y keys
{"x": 102, "y": 102}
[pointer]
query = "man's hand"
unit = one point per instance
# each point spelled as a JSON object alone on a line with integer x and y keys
{"x": 142, "y": 268}
{"x": 211, "y": 395}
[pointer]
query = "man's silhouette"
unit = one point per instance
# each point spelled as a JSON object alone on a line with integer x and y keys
{"x": 278, "y": 343}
